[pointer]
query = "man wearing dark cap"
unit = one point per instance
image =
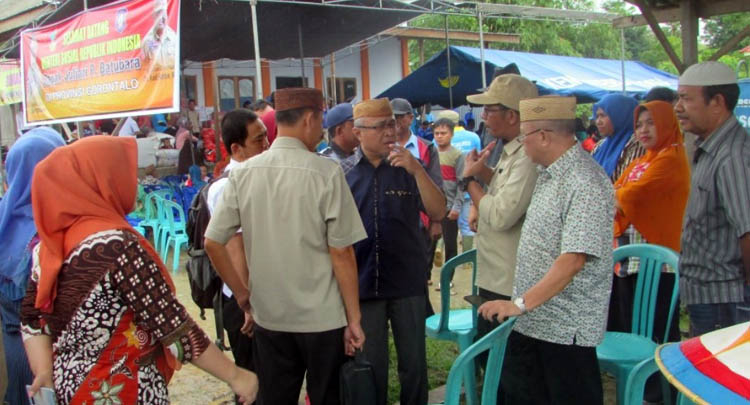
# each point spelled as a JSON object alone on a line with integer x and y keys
{"x": 341, "y": 139}
{"x": 391, "y": 187}
{"x": 299, "y": 223}
{"x": 428, "y": 156}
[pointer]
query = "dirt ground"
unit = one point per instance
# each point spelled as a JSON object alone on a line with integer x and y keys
{"x": 191, "y": 386}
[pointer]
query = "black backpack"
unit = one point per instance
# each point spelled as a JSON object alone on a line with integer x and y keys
{"x": 205, "y": 283}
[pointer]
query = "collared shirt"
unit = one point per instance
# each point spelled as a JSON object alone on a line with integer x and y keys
{"x": 717, "y": 214}
{"x": 501, "y": 215}
{"x": 571, "y": 211}
{"x": 333, "y": 151}
{"x": 212, "y": 199}
{"x": 412, "y": 146}
{"x": 292, "y": 206}
{"x": 433, "y": 164}
{"x": 392, "y": 260}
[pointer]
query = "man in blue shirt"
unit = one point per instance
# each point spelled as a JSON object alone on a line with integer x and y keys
{"x": 391, "y": 187}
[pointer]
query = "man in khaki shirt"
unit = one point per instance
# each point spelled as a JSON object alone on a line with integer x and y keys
{"x": 299, "y": 223}
{"x": 502, "y": 209}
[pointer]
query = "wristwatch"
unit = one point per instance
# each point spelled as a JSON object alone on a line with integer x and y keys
{"x": 521, "y": 304}
{"x": 463, "y": 184}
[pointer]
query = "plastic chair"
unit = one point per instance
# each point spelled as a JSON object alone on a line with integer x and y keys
{"x": 620, "y": 352}
{"x": 495, "y": 342}
{"x": 457, "y": 325}
{"x": 151, "y": 214}
{"x": 637, "y": 383}
{"x": 175, "y": 233}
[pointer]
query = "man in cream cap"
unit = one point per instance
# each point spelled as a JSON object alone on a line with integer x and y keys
{"x": 299, "y": 223}
{"x": 502, "y": 207}
{"x": 715, "y": 255}
{"x": 564, "y": 271}
{"x": 391, "y": 187}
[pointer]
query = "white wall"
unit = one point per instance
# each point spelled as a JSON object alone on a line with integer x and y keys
{"x": 384, "y": 58}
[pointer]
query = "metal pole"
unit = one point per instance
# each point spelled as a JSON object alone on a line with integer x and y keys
{"x": 622, "y": 57}
{"x": 448, "y": 55}
{"x": 79, "y": 124}
{"x": 481, "y": 49}
{"x": 334, "y": 88}
{"x": 301, "y": 53}
{"x": 258, "y": 74}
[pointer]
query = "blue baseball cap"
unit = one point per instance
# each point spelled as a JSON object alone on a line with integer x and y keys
{"x": 339, "y": 114}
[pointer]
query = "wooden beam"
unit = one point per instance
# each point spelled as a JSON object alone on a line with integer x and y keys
{"x": 729, "y": 46}
{"x": 704, "y": 9}
{"x": 654, "y": 24}
{"x": 689, "y": 29}
{"x": 429, "y": 33}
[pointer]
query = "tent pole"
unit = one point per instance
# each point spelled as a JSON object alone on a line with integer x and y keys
{"x": 334, "y": 87}
{"x": 256, "y": 47}
{"x": 481, "y": 49}
{"x": 622, "y": 57}
{"x": 301, "y": 53}
{"x": 448, "y": 55}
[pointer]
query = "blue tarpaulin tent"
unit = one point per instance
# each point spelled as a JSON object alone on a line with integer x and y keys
{"x": 586, "y": 78}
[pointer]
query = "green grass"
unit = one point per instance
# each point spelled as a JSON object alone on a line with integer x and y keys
{"x": 440, "y": 357}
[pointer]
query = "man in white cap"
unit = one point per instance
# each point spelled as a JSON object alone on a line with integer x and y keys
{"x": 715, "y": 257}
{"x": 502, "y": 207}
{"x": 564, "y": 272}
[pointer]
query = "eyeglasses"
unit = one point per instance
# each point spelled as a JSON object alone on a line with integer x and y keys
{"x": 382, "y": 125}
{"x": 490, "y": 110}
{"x": 523, "y": 137}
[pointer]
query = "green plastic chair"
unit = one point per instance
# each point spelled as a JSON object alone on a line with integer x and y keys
{"x": 495, "y": 342}
{"x": 174, "y": 234}
{"x": 620, "y": 352}
{"x": 457, "y": 325}
{"x": 151, "y": 214}
{"x": 637, "y": 383}
{"x": 139, "y": 211}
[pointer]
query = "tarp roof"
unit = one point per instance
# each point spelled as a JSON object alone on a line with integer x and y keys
{"x": 585, "y": 78}
{"x": 212, "y": 29}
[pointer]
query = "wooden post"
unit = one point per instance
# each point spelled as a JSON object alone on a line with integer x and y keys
{"x": 654, "y": 24}
{"x": 217, "y": 108}
{"x": 689, "y": 28}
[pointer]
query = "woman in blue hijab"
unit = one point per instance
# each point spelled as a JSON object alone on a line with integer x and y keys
{"x": 614, "y": 119}
{"x": 18, "y": 233}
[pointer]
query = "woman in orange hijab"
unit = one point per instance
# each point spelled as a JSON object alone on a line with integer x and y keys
{"x": 100, "y": 319}
{"x": 651, "y": 196}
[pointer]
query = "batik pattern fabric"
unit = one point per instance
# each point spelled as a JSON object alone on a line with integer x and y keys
{"x": 113, "y": 319}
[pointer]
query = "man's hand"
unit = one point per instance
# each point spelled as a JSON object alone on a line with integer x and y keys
{"x": 498, "y": 309}
{"x": 247, "y": 327}
{"x": 473, "y": 218}
{"x": 354, "y": 338}
{"x": 436, "y": 230}
{"x": 400, "y": 157}
{"x": 474, "y": 161}
{"x": 243, "y": 299}
{"x": 453, "y": 215}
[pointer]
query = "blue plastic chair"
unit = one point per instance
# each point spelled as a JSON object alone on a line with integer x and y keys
{"x": 495, "y": 342}
{"x": 174, "y": 234}
{"x": 457, "y": 325}
{"x": 620, "y": 352}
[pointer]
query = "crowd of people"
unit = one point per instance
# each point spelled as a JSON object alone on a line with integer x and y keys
{"x": 323, "y": 254}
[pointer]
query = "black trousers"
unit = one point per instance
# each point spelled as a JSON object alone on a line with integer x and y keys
{"x": 539, "y": 372}
{"x": 241, "y": 345}
{"x": 406, "y": 319}
{"x": 283, "y": 358}
{"x": 450, "y": 238}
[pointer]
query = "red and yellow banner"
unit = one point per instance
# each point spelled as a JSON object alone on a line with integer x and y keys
{"x": 10, "y": 81}
{"x": 115, "y": 60}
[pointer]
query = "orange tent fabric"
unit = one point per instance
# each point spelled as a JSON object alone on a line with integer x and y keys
{"x": 653, "y": 190}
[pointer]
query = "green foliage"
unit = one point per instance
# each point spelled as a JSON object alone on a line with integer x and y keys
{"x": 590, "y": 40}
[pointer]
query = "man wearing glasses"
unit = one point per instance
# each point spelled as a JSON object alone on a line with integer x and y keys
{"x": 502, "y": 209}
{"x": 391, "y": 188}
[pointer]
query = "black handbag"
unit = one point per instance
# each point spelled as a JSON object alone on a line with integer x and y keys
{"x": 357, "y": 381}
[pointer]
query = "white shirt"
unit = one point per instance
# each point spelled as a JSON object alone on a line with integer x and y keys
{"x": 129, "y": 128}
{"x": 212, "y": 199}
